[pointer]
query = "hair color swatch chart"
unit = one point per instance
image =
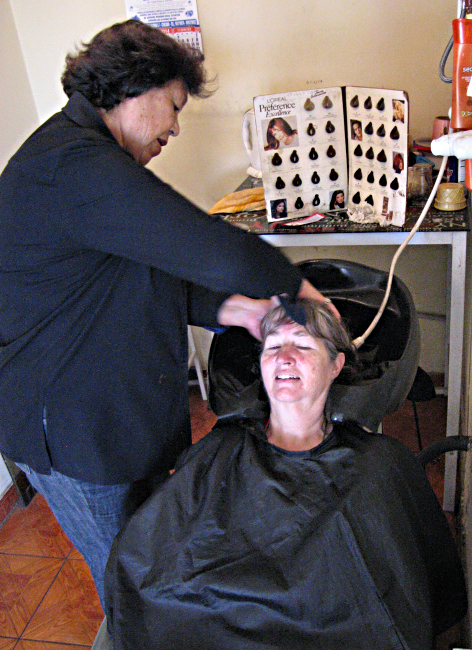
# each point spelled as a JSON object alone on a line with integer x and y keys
{"x": 377, "y": 133}
{"x": 306, "y": 165}
{"x": 303, "y": 151}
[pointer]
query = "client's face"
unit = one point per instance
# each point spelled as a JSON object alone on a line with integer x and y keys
{"x": 296, "y": 366}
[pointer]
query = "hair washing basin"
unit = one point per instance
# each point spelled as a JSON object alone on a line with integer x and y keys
{"x": 365, "y": 391}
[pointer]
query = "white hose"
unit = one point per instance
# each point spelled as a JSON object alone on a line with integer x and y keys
{"x": 360, "y": 340}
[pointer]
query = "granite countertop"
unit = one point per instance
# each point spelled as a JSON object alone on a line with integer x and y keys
{"x": 435, "y": 220}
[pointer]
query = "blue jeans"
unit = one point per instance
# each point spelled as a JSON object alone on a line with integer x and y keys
{"x": 91, "y": 515}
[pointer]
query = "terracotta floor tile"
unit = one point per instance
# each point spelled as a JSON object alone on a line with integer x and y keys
{"x": 203, "y": 419}
{"x": 70, "y": 611}
{"x": 23, "y": 583}
{"x": 41, "y": 645}
{"x": 75, "y": 555}
{"x": 7, "y": 644}
{"x": 34, "y": 531}
{"x": 8, "y": 501}
{"x": 431, "y": 417}
{"x": 432, "y": 420}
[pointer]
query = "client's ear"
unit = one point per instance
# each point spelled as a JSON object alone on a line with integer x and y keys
{"x": 338, "y": 364}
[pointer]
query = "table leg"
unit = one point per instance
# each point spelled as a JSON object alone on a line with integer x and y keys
{"x": 456, "y": 284}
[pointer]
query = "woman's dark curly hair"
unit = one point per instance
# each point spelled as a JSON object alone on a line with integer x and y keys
{"x": 128, "y": 59}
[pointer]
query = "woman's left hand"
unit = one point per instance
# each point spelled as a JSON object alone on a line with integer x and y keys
{"x": 244, "y": 312}
{"x": 309, "y": 292}
{"x": 247, "y": 312}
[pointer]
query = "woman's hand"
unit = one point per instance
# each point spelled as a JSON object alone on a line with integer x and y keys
{"x": 309, "y": 292}
{"x": 244, "y": 312}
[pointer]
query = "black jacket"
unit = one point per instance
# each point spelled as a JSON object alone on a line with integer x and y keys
{"x": 102, "y": 266}
{"x": 250, "y": 546}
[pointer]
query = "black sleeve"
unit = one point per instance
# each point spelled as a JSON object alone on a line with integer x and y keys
{"x": 117, "y": 206}
{"x": 203, "y": 305}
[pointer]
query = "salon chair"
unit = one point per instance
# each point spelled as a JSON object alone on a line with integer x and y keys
{"x": 377, "y": 385}
{"x": 422, "y": 390}
{"x": 365, "y": 392}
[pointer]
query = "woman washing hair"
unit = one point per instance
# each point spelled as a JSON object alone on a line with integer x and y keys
{"x": 102, "y": 267}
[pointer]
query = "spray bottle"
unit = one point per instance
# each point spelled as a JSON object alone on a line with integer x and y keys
{"x": 459, "y": 144}
{"x": 461, "y": 112}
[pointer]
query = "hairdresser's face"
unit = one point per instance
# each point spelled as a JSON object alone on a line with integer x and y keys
{"x": 296, "y": 367}
{"x": 142, "y": 125}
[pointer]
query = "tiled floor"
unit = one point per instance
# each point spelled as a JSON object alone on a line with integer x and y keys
{"x": 47, "y": 597}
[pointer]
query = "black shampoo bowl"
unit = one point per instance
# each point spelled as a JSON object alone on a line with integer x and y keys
{"x": 365, "y": 392}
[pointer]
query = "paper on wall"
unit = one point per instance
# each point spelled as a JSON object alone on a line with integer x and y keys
{"x": 176, "y": 18}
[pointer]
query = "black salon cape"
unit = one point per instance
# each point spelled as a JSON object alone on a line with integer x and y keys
{"x": 250, "y": 547}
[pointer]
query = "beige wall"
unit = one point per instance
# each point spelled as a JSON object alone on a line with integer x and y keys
{"x": 257, "y": 48}
{"x": 299, "y": 44}
{"x": 48, "y": 30}
{"x": 17, "y": 110}
{"x": 17, "y": 115}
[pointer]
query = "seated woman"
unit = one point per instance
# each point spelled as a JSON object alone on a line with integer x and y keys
{"x": 298, "y": 533}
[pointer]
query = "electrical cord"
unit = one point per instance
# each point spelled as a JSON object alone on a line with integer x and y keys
{"x": 360, "y": 340}
{"x": 442, "y": 63}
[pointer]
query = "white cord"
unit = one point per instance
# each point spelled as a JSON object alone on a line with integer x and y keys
{"x": 360, "y": 340}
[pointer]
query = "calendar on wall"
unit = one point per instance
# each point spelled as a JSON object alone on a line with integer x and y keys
{"x": 176, "y": 18}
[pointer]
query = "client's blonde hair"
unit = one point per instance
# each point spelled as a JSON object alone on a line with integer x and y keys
{"x": 320, "y": 323}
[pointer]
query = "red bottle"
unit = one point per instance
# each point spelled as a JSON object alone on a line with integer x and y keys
{"x": 461, "y": 115}
{"x": 461, "y": 112}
